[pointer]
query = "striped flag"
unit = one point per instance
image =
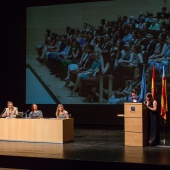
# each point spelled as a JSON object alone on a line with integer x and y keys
{"x": 143, "y": 86}
{"x": 164, "y": 102}
{"x": 153, "y": 85}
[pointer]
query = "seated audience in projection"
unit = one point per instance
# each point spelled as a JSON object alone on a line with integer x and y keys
{"x": 74, "y": 58}
{"x": 160, "y": 47}
{"x": 10, "y": 111}
{"x": 164, "y": 60}
{"x": 39, "y": 48}
{"x": 85, "y": 65}
{"x": 35, "y": 113}
{"x": 90, "y": 85}
{"x": 61, "y": 112}
{"x": 75, "y": 66}
{"x": 48, "y": 48}
{"x": 149, "y": 46}
{"x": 129, "y": 43}
{"x": 154, "y": 25}
{"x": 117, "y": 51}
{"x": 127, "y": 57}
{"x": 88, "y": 73}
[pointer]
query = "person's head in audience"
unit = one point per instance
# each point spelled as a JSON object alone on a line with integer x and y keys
{"x": 137, "y": 49}
{"x": 100, "y": 41}
{"x": 164, "y": 9}
{"x": 112, "y": 23}
{"x": 53, "y": 36}
{"x": 150, "y": 15}
{"x": 115, "y": 28}
{"x": 112, "y": 43}
{"x": 85, "y": 25}
{"x": 107, "y": 23}
{"x": 142, "y": 19}
{"x": 63, "y": 38}
{"x": 119, "y": 18}
{"x": 146, "y": 14}
{"x": 75, "y": 45}
{"x": 90, "y": 35}
{"x": 168, "y": 39}
{"x": 107, "y": 38}
{"x": 141, "y": 34}
{"x": 97, "y": 54}
{"x": 125, "y": 18}
{"x": 135, "y": 34}
{"x": 131, "y": 19}
{"x": 168, "y": 12}
{"x": 89, "y": 49}
{"x": 34, "y": 107}
{"x": 149, "y": 36}
{"x": 127, "y": 30}
{"x": 68, "y": 29}
{"x": 127, "y": 46}
{"x": 141, "y": 14}
{"x": 48, "y": 32}
{"x": 154, "y": 21}
{"x": 163, "y": 16}
{"x": 102, "y": 21}
{"x": 68, "y": 42}
{"x": 162, "y": 37}
{"x": 84, "y": 48}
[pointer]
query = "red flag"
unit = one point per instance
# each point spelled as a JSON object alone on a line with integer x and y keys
{"x": 164, "y": 102}
{"x": 153, "y": 86}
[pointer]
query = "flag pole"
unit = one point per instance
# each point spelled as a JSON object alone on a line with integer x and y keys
{"x": 164, "y": 141}
{"x": 164, "y": 103}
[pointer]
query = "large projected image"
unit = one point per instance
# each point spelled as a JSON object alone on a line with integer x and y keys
{"x": 76, "y": 54}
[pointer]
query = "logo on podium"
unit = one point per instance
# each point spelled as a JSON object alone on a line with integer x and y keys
{"x": 132, "y": 108}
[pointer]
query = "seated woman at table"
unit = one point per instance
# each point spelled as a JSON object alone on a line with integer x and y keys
{"x": 60, "y": 112}
{"x": 10, "y": 111}
{"x": 35, "y": 113}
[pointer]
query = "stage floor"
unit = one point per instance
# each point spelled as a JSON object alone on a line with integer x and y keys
{"x": 91, "y": 147}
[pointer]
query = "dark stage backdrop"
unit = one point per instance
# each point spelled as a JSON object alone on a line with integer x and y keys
{"x": 12, "y": 70}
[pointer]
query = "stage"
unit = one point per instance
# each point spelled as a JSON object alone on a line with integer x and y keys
{"x": 101, "y": 148}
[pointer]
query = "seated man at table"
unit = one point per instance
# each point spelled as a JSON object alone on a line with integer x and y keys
{"x": 10, "y": 111}
{"x": 35, "y": 113}
{"x": 134, "y": 96}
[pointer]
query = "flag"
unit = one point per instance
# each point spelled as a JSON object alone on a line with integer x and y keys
{"x": 164, "y": 102}
{"x": 143, "y": 86}
{"x": 153, "y": 85}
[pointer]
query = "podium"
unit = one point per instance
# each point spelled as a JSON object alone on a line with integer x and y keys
{"x": 136, "y": 124}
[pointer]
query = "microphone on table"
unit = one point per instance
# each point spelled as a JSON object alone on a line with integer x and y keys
{"x": 2, "y": 112}
{"x": 26, "y": 112}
